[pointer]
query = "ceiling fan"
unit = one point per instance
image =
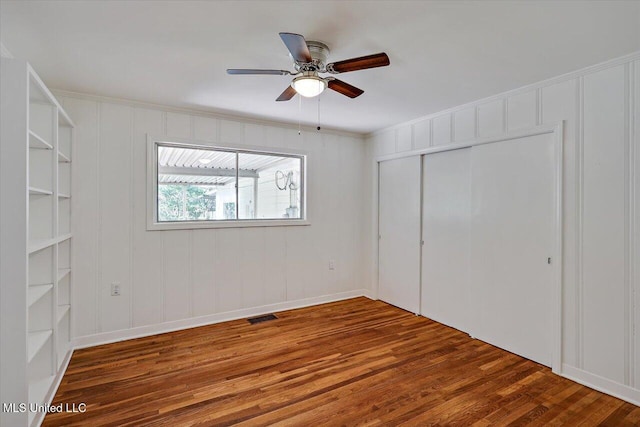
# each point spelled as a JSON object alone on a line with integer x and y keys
{"x": 310, "y": 59}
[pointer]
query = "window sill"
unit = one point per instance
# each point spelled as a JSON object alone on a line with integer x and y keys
{"x": 194, "y": 225}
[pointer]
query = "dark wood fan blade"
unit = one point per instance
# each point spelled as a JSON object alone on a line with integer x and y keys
{"x": 297, "y": 45}
{"x": 362, "y": 63}
{"x": 241, "y": 71}
{"x": 288, "y": 93}
{"x": 345, "y": 88}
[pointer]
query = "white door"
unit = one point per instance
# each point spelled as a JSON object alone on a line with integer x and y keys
{"x": 446, "y": 209}
{"x": 399, "y": 233}
{"x": 512, "y": 238}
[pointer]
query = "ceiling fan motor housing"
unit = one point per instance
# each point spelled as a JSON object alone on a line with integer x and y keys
{"x": 319, "y": 54}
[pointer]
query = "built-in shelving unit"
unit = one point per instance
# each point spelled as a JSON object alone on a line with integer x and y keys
{"x": 37, "y": 339}
{"x": 62, "y": 158}
{"x": 37, "y": 142}
{"x": 33, "y": 191}
{"x": 37, "y": 291}
{"x": 36, "y": 295}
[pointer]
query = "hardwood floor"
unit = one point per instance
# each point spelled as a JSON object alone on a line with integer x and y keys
{"x": 354, "y": 362}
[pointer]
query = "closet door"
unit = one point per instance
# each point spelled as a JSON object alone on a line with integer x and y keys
{"x": 399, "y": 233}
{"x": 445, "y": 232}
{"x": 512, "y": 237}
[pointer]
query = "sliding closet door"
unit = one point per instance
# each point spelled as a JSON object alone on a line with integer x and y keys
{"x": 512, "y": 237}
{"x": 445, "y": 231}
{"x": 399, "y": 233}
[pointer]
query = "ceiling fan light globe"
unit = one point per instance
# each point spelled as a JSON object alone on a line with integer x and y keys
{"x": 309, "y": 86}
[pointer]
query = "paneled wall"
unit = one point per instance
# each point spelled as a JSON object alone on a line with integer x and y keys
{"x": 173, "y": 278}
{"x": 600, "y": 107}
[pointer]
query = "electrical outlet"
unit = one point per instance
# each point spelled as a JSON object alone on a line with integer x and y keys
{"x": 332, "y": 264}
{"x": 115, "y": 289}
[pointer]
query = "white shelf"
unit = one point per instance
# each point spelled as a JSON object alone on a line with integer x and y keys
{"x": 34, "y": 191}
{"x": 36, "y": 341}
{"x": 62, "y": 310}
{"x": 38, "y": 142}
{"x": 64, "y": 119}
{"x": 62, "y": 272}
{"x": 36, "y": 292}
{"x": 62, "y": 158}
{"x": 64, "y": 237}
{"x": 40, "y": 244}
{"x": 64, "y": 196}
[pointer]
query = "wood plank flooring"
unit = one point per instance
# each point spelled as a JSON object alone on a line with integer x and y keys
{"x": 354, "y": 362}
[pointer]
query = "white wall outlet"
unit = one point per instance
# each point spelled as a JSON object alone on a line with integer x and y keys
{"x": 332, "y": 264}
{"x": 115, "y": 289}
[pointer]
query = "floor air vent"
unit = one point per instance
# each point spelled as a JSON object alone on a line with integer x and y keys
{"x": 261, "y": 319}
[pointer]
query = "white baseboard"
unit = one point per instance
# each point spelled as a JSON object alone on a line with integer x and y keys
{"x": 143, "y": 331}
{"x": 602, "y": 384}
{"x": 369, "y": 294}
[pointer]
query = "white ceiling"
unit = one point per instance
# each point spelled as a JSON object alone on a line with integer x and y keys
{"x": 443, "y": 53}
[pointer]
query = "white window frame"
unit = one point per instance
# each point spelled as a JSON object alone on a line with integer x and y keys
{"x": 152, "y": 186}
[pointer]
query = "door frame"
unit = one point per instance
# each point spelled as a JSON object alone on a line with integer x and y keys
{"x": 557, "y": 130}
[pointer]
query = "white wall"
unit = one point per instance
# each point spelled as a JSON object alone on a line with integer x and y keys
{"x": 170, "y": 278}
{"x": 600, "y": 107}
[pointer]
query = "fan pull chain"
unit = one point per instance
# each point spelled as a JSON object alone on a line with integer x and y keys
{"x": 318, "y": 128}
{"x": 299, "y": 114}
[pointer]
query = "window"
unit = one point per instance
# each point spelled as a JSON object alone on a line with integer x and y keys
{"x": 199, "y": 186}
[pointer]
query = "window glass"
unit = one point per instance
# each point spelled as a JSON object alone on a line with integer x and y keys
{"x": 204, "y": 184}
{"x": 274, "y": 192}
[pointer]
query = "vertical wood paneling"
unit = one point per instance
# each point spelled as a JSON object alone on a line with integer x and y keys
{"x": 301, "y": 270}
{"x": 559, "y": 104}
{"x": 84, "y": 208}
{"x": 205, "y": 129}
{"x": 323, "y": 230}
{"x": 635, "y": 258}
{"x": 441, "y": 129}
{"x": 252, "y": 271}
{"x": 491, "y": 118}
{"x": 176, "y": 274}
{"x": 384, "y": 143}
{"x": 274, "y": 136}
{"x": 293, "y": 139}
{"x": 115, "y": 156}
{"x": 147, "y": 291}
{"x": 604, "y": 223}
{"x": 227, "y": 266}
{"x": 465, "y": 124}
{"x": 340, "y": 278}
{"x": 204, "y": 273}
{"x": 254, "y": 135}
{"x": 275, "y": 278}
{"x": 403, "y": 139}
{"x": 421, "y": 134}
{"x": 171, "y": 275}
{"x": 231, "y": 132}
{"x": 522, "y": 110}
{"x": 351, "y": 162}
{"x": 178, "y": 125}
